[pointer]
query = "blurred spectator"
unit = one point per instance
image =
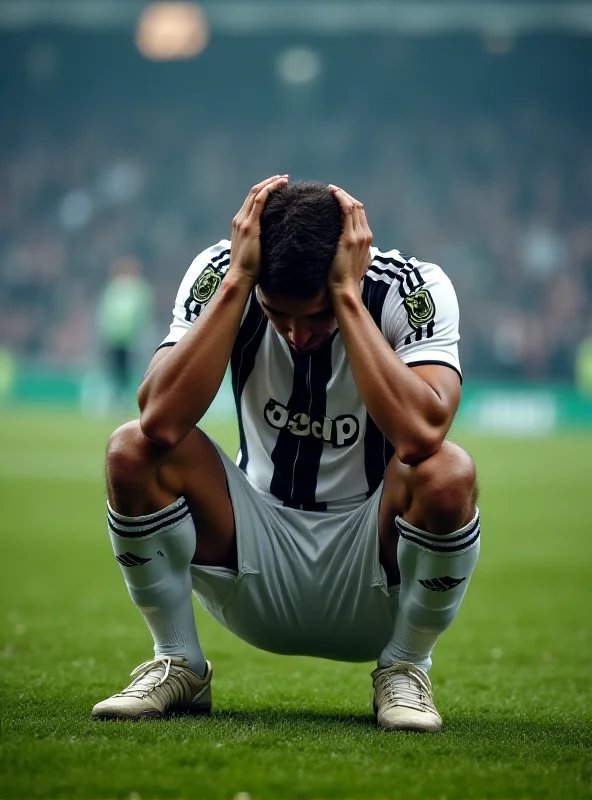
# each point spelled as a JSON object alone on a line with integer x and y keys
{"x": 123, "y": 315}
{"x": 584, "y": 366}
{"x": 7, "y": 373}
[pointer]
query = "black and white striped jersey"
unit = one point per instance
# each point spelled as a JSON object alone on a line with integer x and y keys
{"x": 306, "y": 439}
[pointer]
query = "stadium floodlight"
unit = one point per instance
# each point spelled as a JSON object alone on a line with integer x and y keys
{"x": 241, "y": 17}
{"x": 172, "y": 31}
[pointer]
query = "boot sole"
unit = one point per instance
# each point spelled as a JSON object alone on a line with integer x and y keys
{"x": 408, "y": 728}
{"x": 198, "y": 711}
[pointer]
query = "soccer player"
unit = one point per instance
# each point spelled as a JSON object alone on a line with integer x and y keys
{"x": 347, "y": 529}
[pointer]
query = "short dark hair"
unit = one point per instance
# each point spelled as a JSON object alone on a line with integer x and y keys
{"x": 300, "y": 228}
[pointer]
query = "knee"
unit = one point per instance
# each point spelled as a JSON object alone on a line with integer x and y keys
{"x": 444, "y": 489}
{"x": 127, "y": 455}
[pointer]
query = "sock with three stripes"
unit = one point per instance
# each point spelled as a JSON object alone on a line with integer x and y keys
{"x": 154, "y": 553}
{"x": 435, "y": 572}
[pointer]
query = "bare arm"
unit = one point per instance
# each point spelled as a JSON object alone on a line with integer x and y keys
{"x": 178, "y": 389}
{"x": 414, "y": 408}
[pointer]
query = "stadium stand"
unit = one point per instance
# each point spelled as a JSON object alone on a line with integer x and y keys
{"x": 478, "y": 171}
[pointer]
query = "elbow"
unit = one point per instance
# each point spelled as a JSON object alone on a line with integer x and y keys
{"x": 158, "y": 432}
{"x": 143, "y": 396}
{"x": 414, "y": 451}
{"x": 156, "y": 427}
{"x": 155, "y": 419}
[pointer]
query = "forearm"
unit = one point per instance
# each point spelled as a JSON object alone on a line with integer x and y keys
{"x": 406, "y": 409}
{"x": 175, "y": 395}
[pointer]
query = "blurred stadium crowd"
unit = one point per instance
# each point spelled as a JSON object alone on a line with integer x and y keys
{"x": 500, "y": 195}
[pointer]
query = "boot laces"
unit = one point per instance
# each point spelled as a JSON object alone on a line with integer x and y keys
{"x": 404, "y": 684}
{"x": 149, "y": 676}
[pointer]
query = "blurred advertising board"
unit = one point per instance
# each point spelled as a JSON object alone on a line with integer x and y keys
{"x": 487, "y": 407}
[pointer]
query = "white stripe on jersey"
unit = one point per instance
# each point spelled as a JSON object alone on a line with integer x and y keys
{"x": 306, "y": 438}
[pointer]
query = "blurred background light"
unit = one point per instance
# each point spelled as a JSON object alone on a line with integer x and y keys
{"x": 121, "y": 182}
{"x": 75, "y": 210}
{"x": 172, "y": 31}
{"x": 299, "y": 65}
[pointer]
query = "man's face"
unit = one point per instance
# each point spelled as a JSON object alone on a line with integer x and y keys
{"x": 305, "y": 323}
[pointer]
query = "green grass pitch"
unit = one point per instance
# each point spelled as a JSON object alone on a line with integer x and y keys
{"x": 511, "y": 677}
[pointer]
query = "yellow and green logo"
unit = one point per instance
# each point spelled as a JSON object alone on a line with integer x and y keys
{"x": 420, "y": 308}
{"x": 205, "y": 286}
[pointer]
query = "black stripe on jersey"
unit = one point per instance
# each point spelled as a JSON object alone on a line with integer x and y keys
{"x": 296, "y": 459}
{"x": 375, "y": 270}
{"x": 242, "y": 361}
{"x": 408, "y": 275}
{"x": 378, "y": 451}
{"x": 220, "y": 264}
{"x": 414, "y": 280}
{"x": 410, "y": 280}
{"x": 373, "y": 296}
{"x": 415, "y": 336}
{"x": 221, "y": 255}
{"x": 398, "y": 262}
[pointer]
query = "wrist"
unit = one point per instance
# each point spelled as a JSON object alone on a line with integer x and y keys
{"x": 238, "y": 280}
{"x": 234, "y": 291}
{"x": 345, "y": 293}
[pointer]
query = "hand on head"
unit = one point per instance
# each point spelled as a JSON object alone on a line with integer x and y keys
{"x": 245, "y": 248}
{"x": 352, "y": 258}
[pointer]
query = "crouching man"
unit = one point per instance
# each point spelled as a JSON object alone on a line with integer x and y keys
{"x": 347, "y": 529}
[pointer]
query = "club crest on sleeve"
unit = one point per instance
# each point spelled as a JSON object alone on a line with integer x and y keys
{"x": 205, "y": 286}
{"x": 420, "y": 308}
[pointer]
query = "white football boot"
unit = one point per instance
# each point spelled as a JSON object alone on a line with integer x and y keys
{"x": 403, "y": 699}
{"x": 160, "y": 687}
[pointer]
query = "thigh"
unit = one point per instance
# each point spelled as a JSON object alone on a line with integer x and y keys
{"x": 143, "y": 478}
{"x": 196, "y": 471}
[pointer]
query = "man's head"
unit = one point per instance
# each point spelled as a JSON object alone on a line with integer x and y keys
{"x": 300, "y": 228}
{"x": 301, "y": 224}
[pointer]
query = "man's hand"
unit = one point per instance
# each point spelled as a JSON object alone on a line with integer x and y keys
{"x": 245, "y": 247}
{"x": 352, "y": 258}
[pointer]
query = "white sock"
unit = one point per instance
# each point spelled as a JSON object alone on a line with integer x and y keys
{"x": 435, "y": 572}
{"x": 154, "y": 552}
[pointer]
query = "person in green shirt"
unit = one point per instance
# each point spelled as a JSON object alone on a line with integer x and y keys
{"x": 124, "y": 311}
{"x": 583, "y": 365}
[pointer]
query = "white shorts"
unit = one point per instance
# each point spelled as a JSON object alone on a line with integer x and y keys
{"x": 309, "y": 583}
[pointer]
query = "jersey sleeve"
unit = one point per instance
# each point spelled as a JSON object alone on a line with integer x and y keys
{"x": 420, "y": 317}
{"x": 199, "y": 285}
